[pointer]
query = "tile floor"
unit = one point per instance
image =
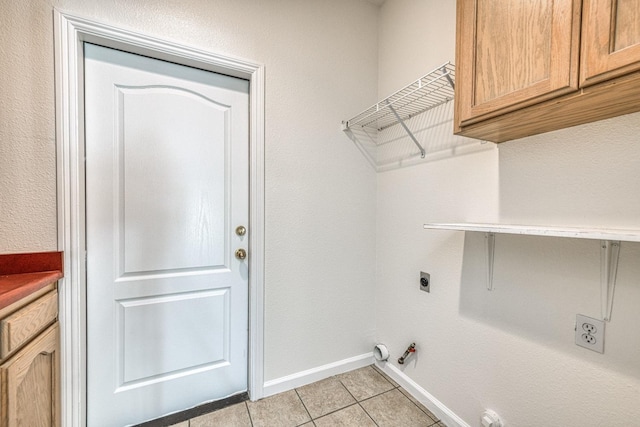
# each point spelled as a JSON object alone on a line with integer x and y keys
{"x": 364, "y": 397}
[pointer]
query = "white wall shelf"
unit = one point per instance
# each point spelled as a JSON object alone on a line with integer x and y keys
{"x": 536, "y": 230}
{"x": 609, "y": 238}
{"x": 429, "y": 91}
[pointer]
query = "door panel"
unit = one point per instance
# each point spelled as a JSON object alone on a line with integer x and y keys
{"x": 151, "y": 348}
{"x": 166, "y": 185}
{"x": 513, "y": 53}
{"x": 152, "y": 238}
{"x": 30, "y": 383}
{"x": 627, "y": 28}
{"x": 610, "y": 39}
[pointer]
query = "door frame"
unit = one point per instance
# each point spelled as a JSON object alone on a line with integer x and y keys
{"x": 70, "y": 32}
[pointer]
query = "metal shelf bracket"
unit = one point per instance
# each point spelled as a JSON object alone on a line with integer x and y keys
{"x": 402, "y": 123}
{"x": 490, "y": 244}
{"x": 609, "y": 239}
{"x": 609, "y": 254}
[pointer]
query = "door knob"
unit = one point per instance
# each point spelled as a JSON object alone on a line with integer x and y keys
{"x": 241, "y": 230}
{"x": 241, "y": 254}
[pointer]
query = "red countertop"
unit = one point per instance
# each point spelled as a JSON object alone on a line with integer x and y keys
{"x": 23, "y": 274}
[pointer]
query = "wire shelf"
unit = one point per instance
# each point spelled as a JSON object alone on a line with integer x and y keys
{"x": 429, "y": 91}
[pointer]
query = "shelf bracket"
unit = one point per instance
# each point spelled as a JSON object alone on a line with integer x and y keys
{"x": 609, "y": 254}
{"x": 490, "y": 244}
{"x": 415, "y": 141}
{"x": 447, "y": 75}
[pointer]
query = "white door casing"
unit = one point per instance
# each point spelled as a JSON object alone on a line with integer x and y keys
{"x": 166, "y": 184}
{"x": 70, "y": 33}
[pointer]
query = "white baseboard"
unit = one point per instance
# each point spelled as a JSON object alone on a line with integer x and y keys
{"x": 431, "y": 403}
{"x": 315, "y": 374}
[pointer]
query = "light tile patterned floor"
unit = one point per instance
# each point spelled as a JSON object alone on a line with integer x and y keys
{"x": 364, "y": 397}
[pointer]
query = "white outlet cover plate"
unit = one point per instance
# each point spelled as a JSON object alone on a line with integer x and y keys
{"x": 590, "y": 333}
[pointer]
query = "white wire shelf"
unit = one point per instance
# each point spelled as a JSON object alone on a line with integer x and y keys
{"x": 427, "y": 92}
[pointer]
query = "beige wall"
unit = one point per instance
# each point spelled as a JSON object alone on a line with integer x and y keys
{"x": 27, "y": 128}
{"x": 511, "y": 349}
{"x": 321, "y": 60}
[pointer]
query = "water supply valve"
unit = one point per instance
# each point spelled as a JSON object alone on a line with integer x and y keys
{"x": 410, "y": 349}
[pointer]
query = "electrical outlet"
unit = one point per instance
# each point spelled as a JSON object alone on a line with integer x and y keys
{"x": 425, "y": 281}
{"x": 590, "y": 333}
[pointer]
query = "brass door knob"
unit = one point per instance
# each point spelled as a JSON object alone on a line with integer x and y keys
{"x": 241, "y": 254}
{"x": 241, "y": 230}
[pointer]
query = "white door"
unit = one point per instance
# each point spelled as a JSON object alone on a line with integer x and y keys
{"x": 166, "y": 187}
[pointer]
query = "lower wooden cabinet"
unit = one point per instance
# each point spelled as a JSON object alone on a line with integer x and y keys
{"x": 29, "y": 375}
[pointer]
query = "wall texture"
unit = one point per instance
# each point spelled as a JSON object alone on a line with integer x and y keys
{"x": 321, "y": 62}
{"x": 27, "y": 128}
{"x": 511, "y": 349}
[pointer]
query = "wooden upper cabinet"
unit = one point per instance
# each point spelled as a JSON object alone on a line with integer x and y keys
{"x": 510, "y": 54}
{"x": 528, "y": 67}
{"x": 610, "y": 39}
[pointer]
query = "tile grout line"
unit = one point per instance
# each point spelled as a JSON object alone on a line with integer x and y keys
{"x": 403, "y": 395}
{"x": 399, "y": 388}
{"x": 346, "y": 388}
{"x": 394, "y": 385}
{"x": 358, "y": 402}
{"x": 369, "y": 415}
{"x": 337, "y": 410}
{"x": 376, "y": 395}
{"x": 304, "y": 406}
{"x": 246, "y": 406}
{"x": 428, "y": 414}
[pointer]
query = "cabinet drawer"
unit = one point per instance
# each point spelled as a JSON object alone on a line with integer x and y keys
{"x": 20, "y": 327}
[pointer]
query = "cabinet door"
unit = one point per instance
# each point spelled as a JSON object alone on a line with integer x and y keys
{"x": 513, "y": 53}
{"x": 610, "y": 39}
{"x": 29, "y": 383}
